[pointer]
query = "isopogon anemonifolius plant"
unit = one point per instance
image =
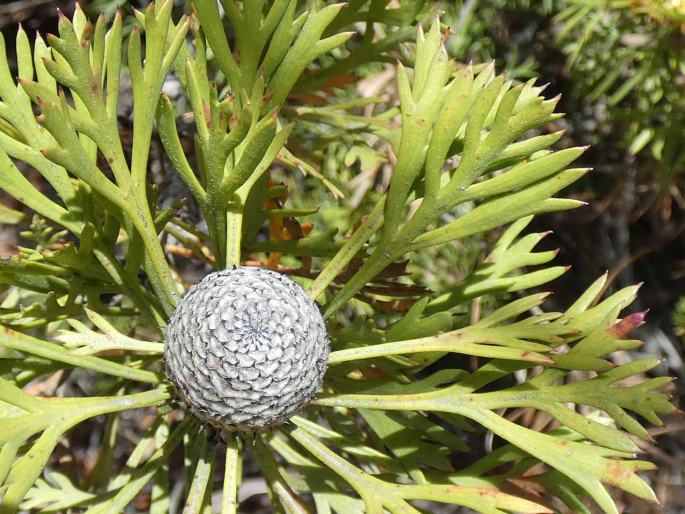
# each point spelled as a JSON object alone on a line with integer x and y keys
{"x": 243, "y": 169}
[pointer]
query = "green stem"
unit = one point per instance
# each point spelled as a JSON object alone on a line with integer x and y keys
{"x": 278, "y": 485}
{"x": 366, "y": 230}
{"x": 342, "y": 467}
{"x": 376, "y": 263}
{"x": 130, "y": 285}
{"x": 97, "y": 406}
{"x": 386, "y": 252}
{"x": 234, "y": 226}
{"x": 197, "y": 496}
{"x": 229, "y": 498}
{"x": 142, "y": 220}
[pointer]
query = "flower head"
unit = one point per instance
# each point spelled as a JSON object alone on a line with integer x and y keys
{"x": 247, "y": 348}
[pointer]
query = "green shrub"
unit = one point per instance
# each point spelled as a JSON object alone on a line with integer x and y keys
{"x": 88, "y": 297}
{"x": 627, "y": 58}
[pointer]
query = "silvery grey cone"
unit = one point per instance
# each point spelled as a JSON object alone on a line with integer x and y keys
{"x": 247, "y": 348}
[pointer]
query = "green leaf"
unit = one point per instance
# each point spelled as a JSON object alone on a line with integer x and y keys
{"x": 15, "y": 184}
{"x": 52, "y": 417}
{"x": 407, "y": 444}
{"x": 508, "y": 257}
{"x": 208, "y": 13}
{"x": 85, "y": 341}
{"x": 533, "y": 200}
{"x": 13, "y": 340}
{"x": 54, "y": 493}
{"x": 142, "y": 475}
{"x": 414, "y": 324}
{"x": 506, "y": 342}
{"x": 10, "y": 216}
{"x": 378, "y": 494}
{"x": 307, "y": 46}
{"x": 278, "y": 481}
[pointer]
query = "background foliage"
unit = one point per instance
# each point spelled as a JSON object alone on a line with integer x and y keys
{"x": 619, "y": 66}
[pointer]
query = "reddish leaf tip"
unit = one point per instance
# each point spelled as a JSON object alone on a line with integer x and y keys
{"x": 625, "y": 326}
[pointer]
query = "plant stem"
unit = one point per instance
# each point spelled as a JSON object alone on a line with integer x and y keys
{"x": 371, "y": 224}
{"x": 142, "y": 220}
{"x": 229, "y": 499}
{"x": 126, "y": 281}
{"x": 234, "y": 226}
{"x": 97, "y": 406}
{"x": 197, "y": 497}
{"x": 385, "y": 252}
{"x": 277, "y": 483}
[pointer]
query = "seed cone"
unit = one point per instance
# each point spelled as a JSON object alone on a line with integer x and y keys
{"x": 246, "y": 348}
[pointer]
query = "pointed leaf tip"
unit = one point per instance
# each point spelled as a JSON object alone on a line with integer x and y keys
{"x": 628, "y": 324}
